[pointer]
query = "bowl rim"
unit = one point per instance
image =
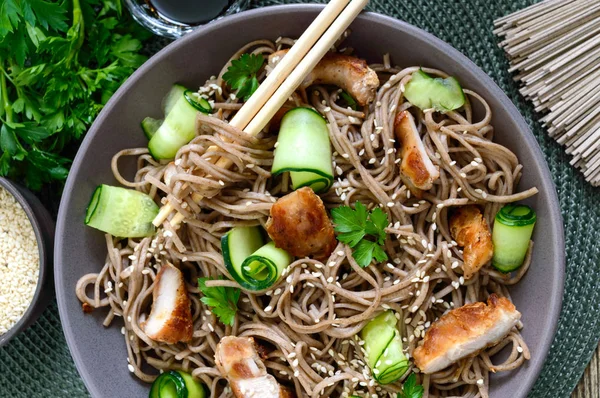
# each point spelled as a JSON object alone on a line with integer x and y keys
{"x": 556, "y": 223}
{"x": 14, "y": 189}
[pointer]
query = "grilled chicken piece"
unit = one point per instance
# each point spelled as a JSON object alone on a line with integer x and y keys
{"x": 470, "y": 230}
{"x": 417, "y": 170}
{"x": 238, "y": 360}
{"x": 349, "y": 73}
{"x": 465, "y": 331}
{"x": 170, "y": 320}
{"x": 299, "y": 224}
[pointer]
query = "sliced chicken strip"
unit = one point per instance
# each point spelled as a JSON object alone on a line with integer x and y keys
{"x": 349, "y": 73}
{"x": 237, "y": 359}
{"x": 465, "y": 331}
{"x": 470, "y": 230}
{"x": 417, "y": 170}
{"x": 299, "y": 224}
{"x": 170, "y": 320}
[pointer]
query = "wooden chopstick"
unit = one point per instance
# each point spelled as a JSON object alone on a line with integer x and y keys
{"x": 256, "y": 114}
{"x": 272, "y": 82}
{"x": 285, "y": 66}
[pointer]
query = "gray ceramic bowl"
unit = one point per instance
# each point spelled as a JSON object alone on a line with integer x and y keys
{"x": 99, "y": 352}
{"x": 43, "y": 226}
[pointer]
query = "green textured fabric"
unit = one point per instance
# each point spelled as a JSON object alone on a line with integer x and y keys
{"x": 37, "y": 363}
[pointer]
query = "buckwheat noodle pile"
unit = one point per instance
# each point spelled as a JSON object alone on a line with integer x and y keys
{"x": 310, "y": 319}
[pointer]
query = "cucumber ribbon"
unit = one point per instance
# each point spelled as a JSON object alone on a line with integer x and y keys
{"x": 512, "y": 232}
{"x": 383, "y": 346}
{"x": 254, "y": 264}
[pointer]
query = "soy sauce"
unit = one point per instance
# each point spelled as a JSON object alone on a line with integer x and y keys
{"x": 189, "y": 12}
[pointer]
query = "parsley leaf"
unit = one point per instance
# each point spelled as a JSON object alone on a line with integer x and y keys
{"x": 241, "y": 75}
{"x": 355, "y": 225}
{"x": 411, "y": 389}
{"x": 222, "y": 300}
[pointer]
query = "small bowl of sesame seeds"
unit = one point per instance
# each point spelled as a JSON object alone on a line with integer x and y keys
{"x": 26, "y": 241}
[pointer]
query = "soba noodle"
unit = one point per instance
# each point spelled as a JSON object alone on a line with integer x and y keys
{"x": 312, "y": 316}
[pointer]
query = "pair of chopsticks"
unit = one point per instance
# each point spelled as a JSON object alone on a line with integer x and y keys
{"x": 285, "y": 78}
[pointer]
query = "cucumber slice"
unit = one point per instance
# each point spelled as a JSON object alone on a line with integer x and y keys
{"x": 426, "y": 92}
{"x": 383, "y": 346}
{"x": 197, "y": 101}
{"x": 253, "y": 264}
{"x": 304, "y": 150}
{"x": 172, "y": 97}
{"x": 121, "y": 212}
{"x": 511, "y": 235}
{"x": 238, "y": 244}
{"x": 150, "y": 125}
{"x": 179, "y": 126}
{"x": 177, "y": 384}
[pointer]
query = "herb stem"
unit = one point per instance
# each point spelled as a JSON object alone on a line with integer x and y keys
{"x": 78, "y": 24}
{"x": 5, "y": 101}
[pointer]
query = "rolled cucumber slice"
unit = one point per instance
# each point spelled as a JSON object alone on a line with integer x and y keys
{"x": 150, "y": 125}
{"x": 121, "y": 212}
{"x": 426, "y": 92}
{"x": 383, "y": 346}
{"x": 177, "y": 384}
{"x": 512, "y": 232}
{"x": 253, "y": 264}
{"x": 179, "y": 126}
{"x": 304, "y": 150}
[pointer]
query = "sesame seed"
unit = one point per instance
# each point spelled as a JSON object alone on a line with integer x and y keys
{"x": 327, "y": 109}
{"x": 480, "y": 382}
{"x": 519, "y": 349}
{"x": 463, "y": 175}
{"x": 268, "y": 308}
{"x": 221, "y": 183}
{"x": 391, "y": 204}
{"x": 131, "y": 368}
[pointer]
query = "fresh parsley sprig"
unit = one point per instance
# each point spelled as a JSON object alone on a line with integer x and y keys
{"x": 411, "y": 389}
{"x": 222, "y": 300}
{"x": 60, "y": 62}
{"x": 241, "y": 75}
{"x": 364, "y": 232}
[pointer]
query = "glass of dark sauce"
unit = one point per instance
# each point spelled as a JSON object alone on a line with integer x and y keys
{"x": 174, "y": 18}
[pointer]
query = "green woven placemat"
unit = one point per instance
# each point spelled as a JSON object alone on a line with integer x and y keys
{"x": 38, "y": 364}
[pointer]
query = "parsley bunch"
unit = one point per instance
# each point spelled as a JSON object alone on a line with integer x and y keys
{"x": 60, "y": 61}
{"x": 355, "y": 226}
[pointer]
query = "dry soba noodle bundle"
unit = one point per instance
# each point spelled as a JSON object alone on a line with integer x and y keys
{"x": 311, "y": 318}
